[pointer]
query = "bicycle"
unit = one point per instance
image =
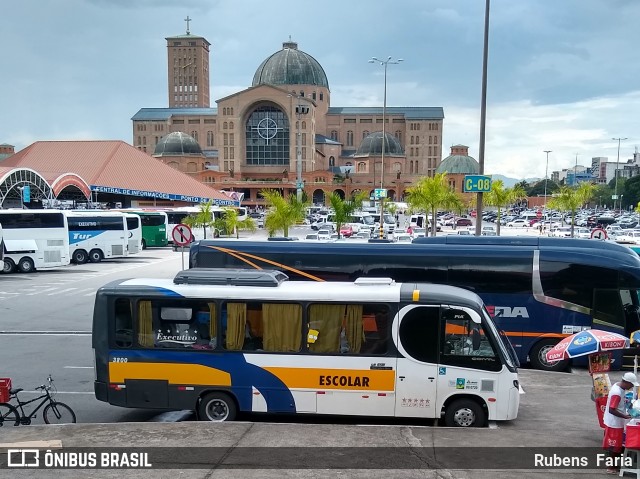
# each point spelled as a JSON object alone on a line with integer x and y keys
{"x": 55, "y": 412}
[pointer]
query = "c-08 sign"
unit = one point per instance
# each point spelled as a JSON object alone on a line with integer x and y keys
{"x": 477, "y": 184}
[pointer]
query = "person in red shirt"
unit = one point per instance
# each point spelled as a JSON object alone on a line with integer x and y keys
{"x": 615, "y": 417}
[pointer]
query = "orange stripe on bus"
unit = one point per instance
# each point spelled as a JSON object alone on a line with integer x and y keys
{"x": 242, "y": 257}
{"x": 174, "y": 373}
{"x": 341, "y": 379}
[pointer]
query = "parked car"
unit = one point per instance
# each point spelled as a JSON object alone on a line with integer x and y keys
{"x": 402, "y": 238}
{"x": 463, "y": 222}
{"x": 346, "y": 231}
{"x": 419, "y": 232}
{"x": 312, "y": 237}
{"x": 324, "y": 234}
{"x": 518, "y": 223}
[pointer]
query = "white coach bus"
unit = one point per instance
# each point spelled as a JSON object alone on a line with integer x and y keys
{"x": 134, "y": 232}
{"x": 221, "y": 341}
{"x": 34, "y": 239}
{"x": 96, "y": 235}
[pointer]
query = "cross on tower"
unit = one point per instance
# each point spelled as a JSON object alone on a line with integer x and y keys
{"x": 187, "y": 20}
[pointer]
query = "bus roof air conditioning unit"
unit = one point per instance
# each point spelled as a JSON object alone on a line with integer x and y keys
{"x": 231, "y": 277}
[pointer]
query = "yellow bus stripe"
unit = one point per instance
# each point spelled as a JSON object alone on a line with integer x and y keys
{"x": 174, "y": 373}
{"x": 342, "y": 379}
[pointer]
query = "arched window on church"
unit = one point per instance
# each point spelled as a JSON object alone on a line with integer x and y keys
{"x": 334, "y": 135}
{"x": 332, "y": 161}
{"x": 362, "y": 167}
{"x": 225, "y": 125}
{"x": 349, "y": 138}
{"x": 365, "y": 133}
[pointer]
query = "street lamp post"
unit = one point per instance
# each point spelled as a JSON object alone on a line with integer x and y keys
{"x": 616, "y": 175}
{"x": 546, "y": 173}
{"x": 384, "y": 63}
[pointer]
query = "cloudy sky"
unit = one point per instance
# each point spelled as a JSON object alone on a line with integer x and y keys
{"x": 563, "y": 75}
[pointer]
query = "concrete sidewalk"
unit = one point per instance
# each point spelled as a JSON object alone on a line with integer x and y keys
{"x": 556, "y": 412}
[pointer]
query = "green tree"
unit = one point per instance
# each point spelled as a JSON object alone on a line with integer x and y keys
{"x": 283, "y": 212}
{"x": 501, "y": 197}
{"x": 231, "y": 222}
{"x": 538, "y": 188}
{"x": 202, "y": 219}
{"x": 571, "y": 199}
{"x": 431, "y": 194}
{"x": 602, "y": 196}
{"x": 631, "y": 191}
{"x": 343, "y": 209}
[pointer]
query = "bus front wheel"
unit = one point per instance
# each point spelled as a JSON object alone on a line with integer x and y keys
{"x": 95, "y": 256}
{"x": 25, "y": 265}
{"x": 8, "y": 266}
{"x": 217, "y": 407}
{"x": 464, "y": 413}
{"x": 538, "y": 356}
{"x": 144, "y": 244}
{"x": 80, "y": 256}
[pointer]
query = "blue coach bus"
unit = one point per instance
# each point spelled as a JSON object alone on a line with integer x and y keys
{"x": 539, "y": 290}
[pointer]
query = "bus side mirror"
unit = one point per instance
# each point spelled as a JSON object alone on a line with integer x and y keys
{"x": 475, "y": 339}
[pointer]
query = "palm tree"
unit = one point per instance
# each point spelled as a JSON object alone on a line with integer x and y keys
{"x": 343, "y": 209}
{"x": 570, "y": 199}
{"x": 202, "y": 219}
{"x": 430, "y": 194}
{"x": 501, "y": 197}
{"x": 283, "y": 212}
{"x": 229, "y": 223}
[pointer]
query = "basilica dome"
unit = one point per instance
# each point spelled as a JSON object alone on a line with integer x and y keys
{"x": 177, "y": 144}
{"x": 371, "y": 145}
{"x": 459, "y": 162}
{"x": 290, "y": 66}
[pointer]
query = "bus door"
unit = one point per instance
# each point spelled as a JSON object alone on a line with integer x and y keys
{"x": 417, "y": 370}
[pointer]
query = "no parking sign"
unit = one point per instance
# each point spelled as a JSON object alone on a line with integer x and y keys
{"x": 599, "y": 233}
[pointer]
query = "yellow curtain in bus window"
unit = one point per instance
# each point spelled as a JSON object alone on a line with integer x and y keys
{"x": 599, "y": 362}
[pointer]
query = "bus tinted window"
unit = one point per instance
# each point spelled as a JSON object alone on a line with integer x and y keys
{"x": 492, "y": 274}
{"x": 123, "y": 324}
{"x": 152, "y": 220}
{"x": 176, "y": 324}
{"x": 92, "y": 223}
{"x": 31, "y": 220}
{"x": 419, "y": 333}
{"x": 574, "y": 282}
{"x": 132, "y": 223}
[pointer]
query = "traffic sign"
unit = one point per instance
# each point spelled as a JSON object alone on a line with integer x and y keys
{"x": 379, "y": 193}
{"x": 477, "y": 184}
{"x": 181, "y": 235}
{"x": 599, "y": 233}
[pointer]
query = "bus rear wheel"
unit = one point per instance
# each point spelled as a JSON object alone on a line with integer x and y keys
{"x": 217, "y": 407}
{"x": 25, "y": 265}
{"x": 538, "y": 356}
{"x": 80, "y": 256}
{"x": 95, "y": 255}
{"x": 464, "y": 413}
{"x": 8, "y": 266}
